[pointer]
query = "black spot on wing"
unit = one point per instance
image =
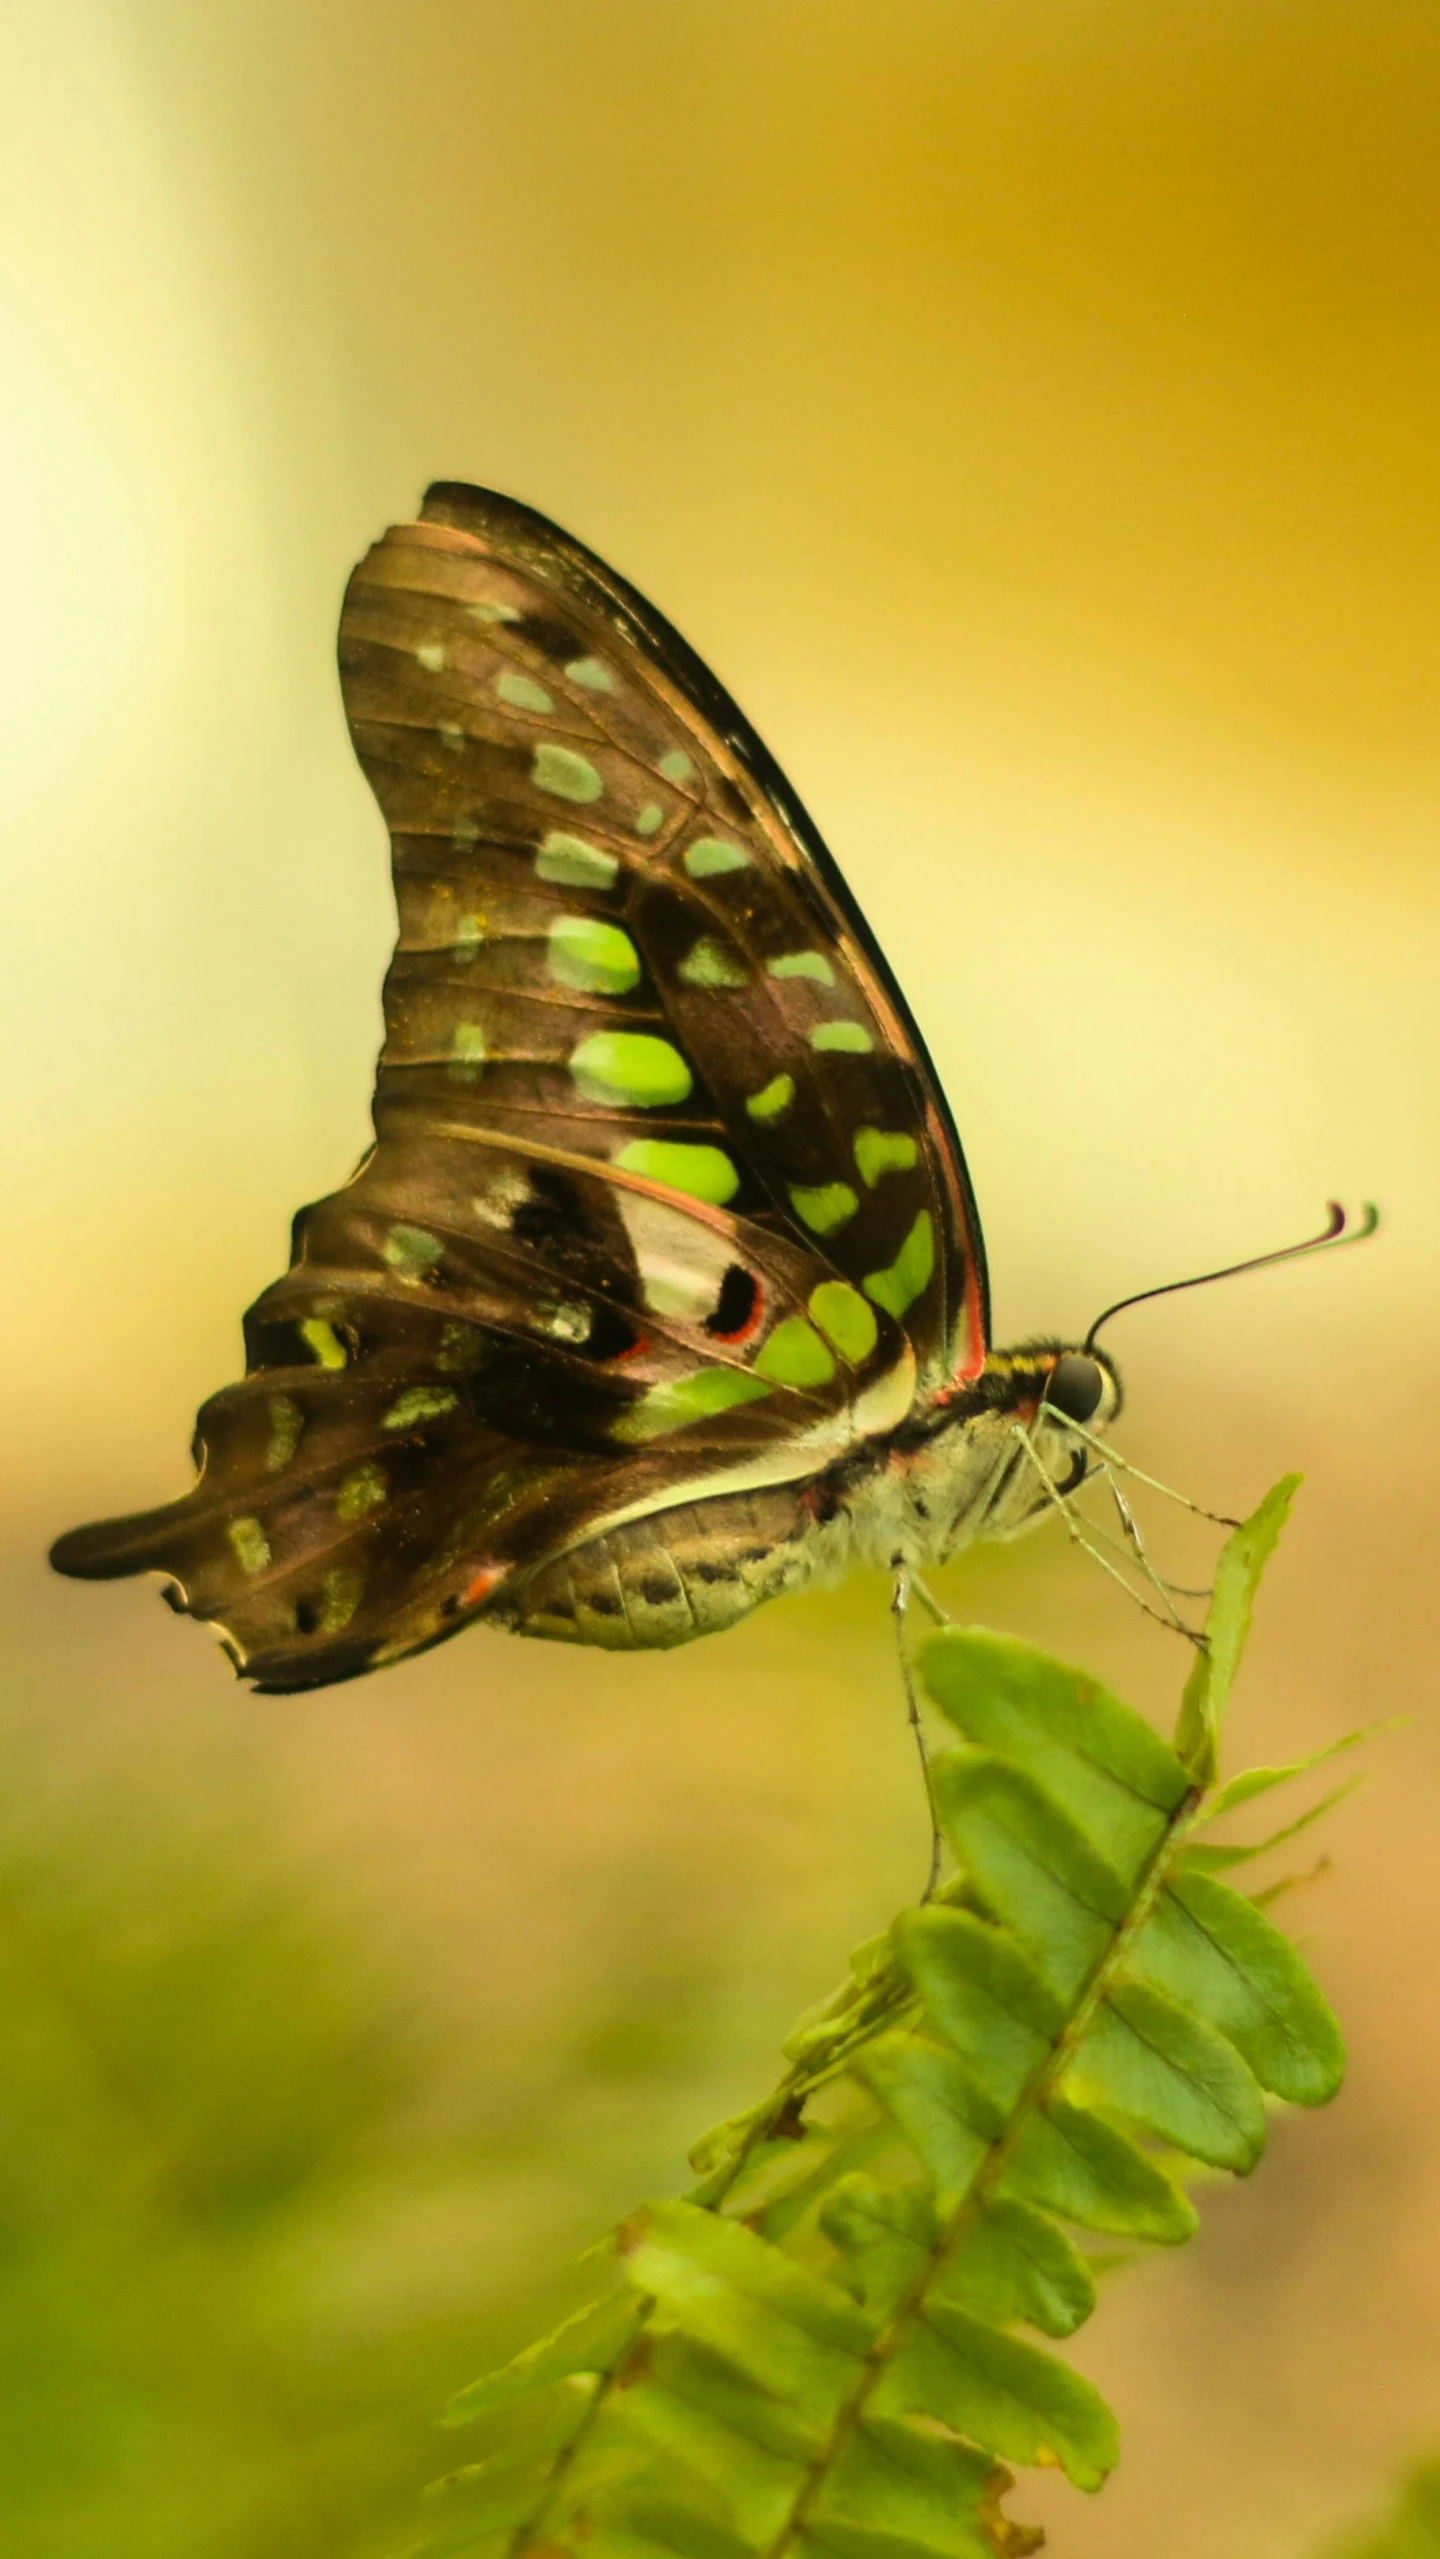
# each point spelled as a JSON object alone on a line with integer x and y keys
{"x": 552, "y": 637}
{"x": 611, "y": 1335}
{"x": 735, "y": 1306}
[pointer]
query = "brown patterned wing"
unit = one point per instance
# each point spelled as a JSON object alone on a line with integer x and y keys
{"x": 664, "y": 1198}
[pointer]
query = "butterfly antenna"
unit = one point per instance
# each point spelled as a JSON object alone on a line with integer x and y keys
{"x": 1337, "y": 1230}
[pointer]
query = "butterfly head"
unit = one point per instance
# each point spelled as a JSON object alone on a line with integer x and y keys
{"x": 1045, "y": 1406}
{"x": 1049, "y": 1383}
{"x": 992, "y": 1458}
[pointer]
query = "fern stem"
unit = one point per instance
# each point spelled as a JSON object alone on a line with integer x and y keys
{"x": 877, "y": 2002}
{"x": 1043, "y": 2084}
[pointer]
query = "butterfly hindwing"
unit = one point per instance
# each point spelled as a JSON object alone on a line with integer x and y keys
{"x": 663, "y": 1196}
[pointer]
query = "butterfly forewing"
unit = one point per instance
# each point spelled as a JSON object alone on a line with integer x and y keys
{"x": 663, "y": 1195}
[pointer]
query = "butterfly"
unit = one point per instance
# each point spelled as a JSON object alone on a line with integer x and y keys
{"x": 662, "y": 1289}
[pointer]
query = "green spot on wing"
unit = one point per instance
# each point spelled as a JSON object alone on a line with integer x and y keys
{"x": 286, "y": 1424}
{"x": 595, "y": 958}
{"x": 683, "y": 1400}
{"x": 419, "y": 1404}
{"x": 522, "y": 692}
{"x": 633, "y": 1068}
{"x": 462, "y": 1350}
{"x": 467, "y": 1052}
{"x": 410, "y": 1251}
{"x": 363, "y": 1489}
{"x": 702, "y": 1172}
{"x": 910, "y": 1273}
{"x": 493, "y": 612}
{"x": 878, "y": 1150}
{"x": 323, "y": 1342}
{"x": 595, "y": 677}
{"x": 566, "y": 775}
{"x": 713, "y": 963}
{"x": 248, "y": 1544}
{"x": 650, "y": 819}
{"x": 773, "y": 1099}
{"x": 811, "y": 964}
{"x": 850, "y": 1038}
{"x": 844, "y": 1319}
{"x": 343, "y": 1587}
{"x": 677, "y": 766}
{"x": 568, "y": 862}
{"x": 825, "y": 1208}
{"x": 709, "y": 855}
{"x": 469, "y": 934}
{"x": 794, "y": 1355}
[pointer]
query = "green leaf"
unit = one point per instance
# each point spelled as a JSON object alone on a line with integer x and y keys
{"x": 982, "y": 1995}
{"x": 1011, "y": 2397}
{"x": 676, "y": 2243}
{"x": 543, "y": 2421}
{"x": 947, "y": 2118}
{"x": 1102, "y": 1760}
{"x": 1251, "y": 1782}
{"x": 1215, "y": 1857}
{"x": 884, "y": 2233}
{"x": 691, "y": 2371}
{"x": 854, "y": 2148}
{"x": 1157, "y": 2063}
{"x": 1033, "y": 1865}
{"x": 462, "y": 2536}
{"x": 687, "y": 2444}
{"x": 1011, "y": 2262}
{"x": 595, "y": 2340}
{"x": 493, "y": 2496}
{"x": 900, "y": 2487}
{"x": 1212, "y": 1950}
{"x": 780, "y": 2326}
{"x": 1243, "y": 1559}
{"x": 1077, "y": 2165}
{"x": 723, "y": 2141}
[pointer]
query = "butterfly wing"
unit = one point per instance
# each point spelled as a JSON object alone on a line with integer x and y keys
{"x": 664, "y": 1198}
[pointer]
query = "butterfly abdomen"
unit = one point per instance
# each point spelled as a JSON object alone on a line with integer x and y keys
{"x": 701, "y": 1566}
{"x": 688, "y": 1571}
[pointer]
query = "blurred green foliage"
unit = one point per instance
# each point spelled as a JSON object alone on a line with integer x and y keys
{"x": 202, "y": 2078}
{"x": 265, "y": 2198}
{"x": 1413, "y": 2528}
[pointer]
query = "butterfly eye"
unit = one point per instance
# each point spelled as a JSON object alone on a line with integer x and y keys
{"x": 1075, "y": 1386}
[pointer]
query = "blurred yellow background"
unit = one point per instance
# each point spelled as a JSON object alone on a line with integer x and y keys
{"x": 1033, "y": 412}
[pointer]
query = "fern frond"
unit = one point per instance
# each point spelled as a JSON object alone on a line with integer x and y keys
{"x": 818, "y": 2350}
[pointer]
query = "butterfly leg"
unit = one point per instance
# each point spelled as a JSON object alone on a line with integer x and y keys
{"x": 1168, "y": 1614}
{"x": 1115, "y": 1463}
{"x": 940, "y": 1616}
{"x": 899, "y": 1605}
{"x": 1131, "y": 1528}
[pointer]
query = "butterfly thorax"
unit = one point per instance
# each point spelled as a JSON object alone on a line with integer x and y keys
{"x": 986, "y": 1464}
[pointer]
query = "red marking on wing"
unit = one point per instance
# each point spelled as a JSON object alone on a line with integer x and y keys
{"x": 970, "y": 1365}
{"x": 484, "y": 1584}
